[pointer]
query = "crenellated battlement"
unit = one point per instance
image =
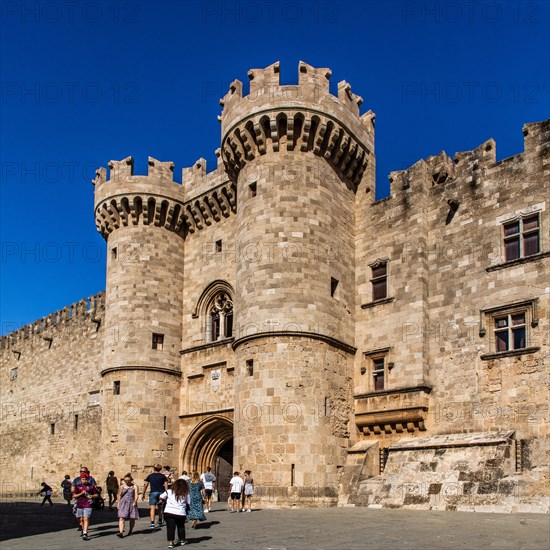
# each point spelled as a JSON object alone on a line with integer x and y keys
{"x": 209, "y": 196}
{"x": 197, "y": 180}
{"x": 468, "y": 167}
{"x": 123, "y": 199}
{"x": 91, "y": 308}
{"x": 123, "y": 171}
{"x": 303, "y": 118}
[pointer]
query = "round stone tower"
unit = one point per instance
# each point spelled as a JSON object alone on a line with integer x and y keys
{"x": 142, "y": 220}
{"x": 297, "y": 155}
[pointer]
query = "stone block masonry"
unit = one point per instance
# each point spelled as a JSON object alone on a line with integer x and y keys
{"x": 272, "y": 315}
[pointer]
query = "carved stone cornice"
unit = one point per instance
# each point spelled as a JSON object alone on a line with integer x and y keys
{"x": 211, "y": 206}
{"x": 294, "y": 129}
{"x": 129, "y": 208}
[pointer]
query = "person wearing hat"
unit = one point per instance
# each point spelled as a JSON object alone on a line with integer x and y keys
{"x": 84, "y": 492}
{"x": 83, "y": 470}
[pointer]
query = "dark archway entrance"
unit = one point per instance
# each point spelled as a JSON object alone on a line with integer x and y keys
{"x": 224, "y": 470}
{"x": 211, "y": 444}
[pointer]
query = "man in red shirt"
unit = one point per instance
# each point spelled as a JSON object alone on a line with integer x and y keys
{"x": 84, "y": 492}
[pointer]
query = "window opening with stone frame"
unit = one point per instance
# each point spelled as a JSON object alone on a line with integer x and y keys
{"x": 250, "y": 367}
{"x": 510, "y": 330}
{"x": 521, "y": 237}
{"x": 379, "y": 280}
{"x": 379, "y": 373}
{"x": 157, "y": 341}
{"x": 377, "y": 368}
{"x": 219, "y": 319}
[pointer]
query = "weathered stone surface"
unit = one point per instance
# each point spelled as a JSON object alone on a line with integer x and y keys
{"x": 240, "y": 326}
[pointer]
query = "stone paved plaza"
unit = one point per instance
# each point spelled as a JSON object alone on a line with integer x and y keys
{"x": 26, "y": 525}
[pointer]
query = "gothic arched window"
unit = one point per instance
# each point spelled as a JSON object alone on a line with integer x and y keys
{"x": 219, "y": 318}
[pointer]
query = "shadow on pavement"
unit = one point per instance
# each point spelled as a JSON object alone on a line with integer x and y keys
{"x": 196, "y": 540}
{"x": 205, "y": 525}
{"x": 23, "y": 519}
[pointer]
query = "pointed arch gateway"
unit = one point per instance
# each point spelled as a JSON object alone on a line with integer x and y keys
{"x": 210, "y": 443}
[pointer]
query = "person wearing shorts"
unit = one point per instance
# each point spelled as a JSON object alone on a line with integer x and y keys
{"x": 208, "y": 479}
{"x": 236, "y": 488}
{"x": 159, "y": 484}
{"x": 75, "y": 482}
{"x": 84, "y": 492}
{"x": 248, "y": 491}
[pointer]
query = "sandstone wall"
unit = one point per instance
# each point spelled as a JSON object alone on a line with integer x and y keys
{"x": 441, "y": 233}
{"x": 51, "y": 376}
{"x": 291, "y": 418}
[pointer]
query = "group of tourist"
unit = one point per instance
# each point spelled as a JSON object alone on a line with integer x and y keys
{"x": 242, "y": 489}
{"x": 175, "y": 501}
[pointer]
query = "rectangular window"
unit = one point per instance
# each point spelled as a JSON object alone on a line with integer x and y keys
{"x": 52, "y": 428}
{"x": 13, "y": 373}
{"x": 379, "y": 281}
{"x": 116, "y": 387}
{"x": 158, "y": 341}
{"x": 521, "y": 238}
{"x": 508, "y": 328}
{"x": 219, "y": 246}
{"x": 75, "y": 424}
{"x": 378, "y": 373}
{"x": 374, "y": 371}
{"x": 253, "y": 189}
{"x": 250, "y": 367}
{"x": 510, "y": 331}
{"x": 114, "y": 253}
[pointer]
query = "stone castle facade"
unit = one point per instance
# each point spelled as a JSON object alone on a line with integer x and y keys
{"x": 273, "y": 315}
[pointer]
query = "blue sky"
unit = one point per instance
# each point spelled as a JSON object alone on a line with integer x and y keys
{"x": 86, "y": 82}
